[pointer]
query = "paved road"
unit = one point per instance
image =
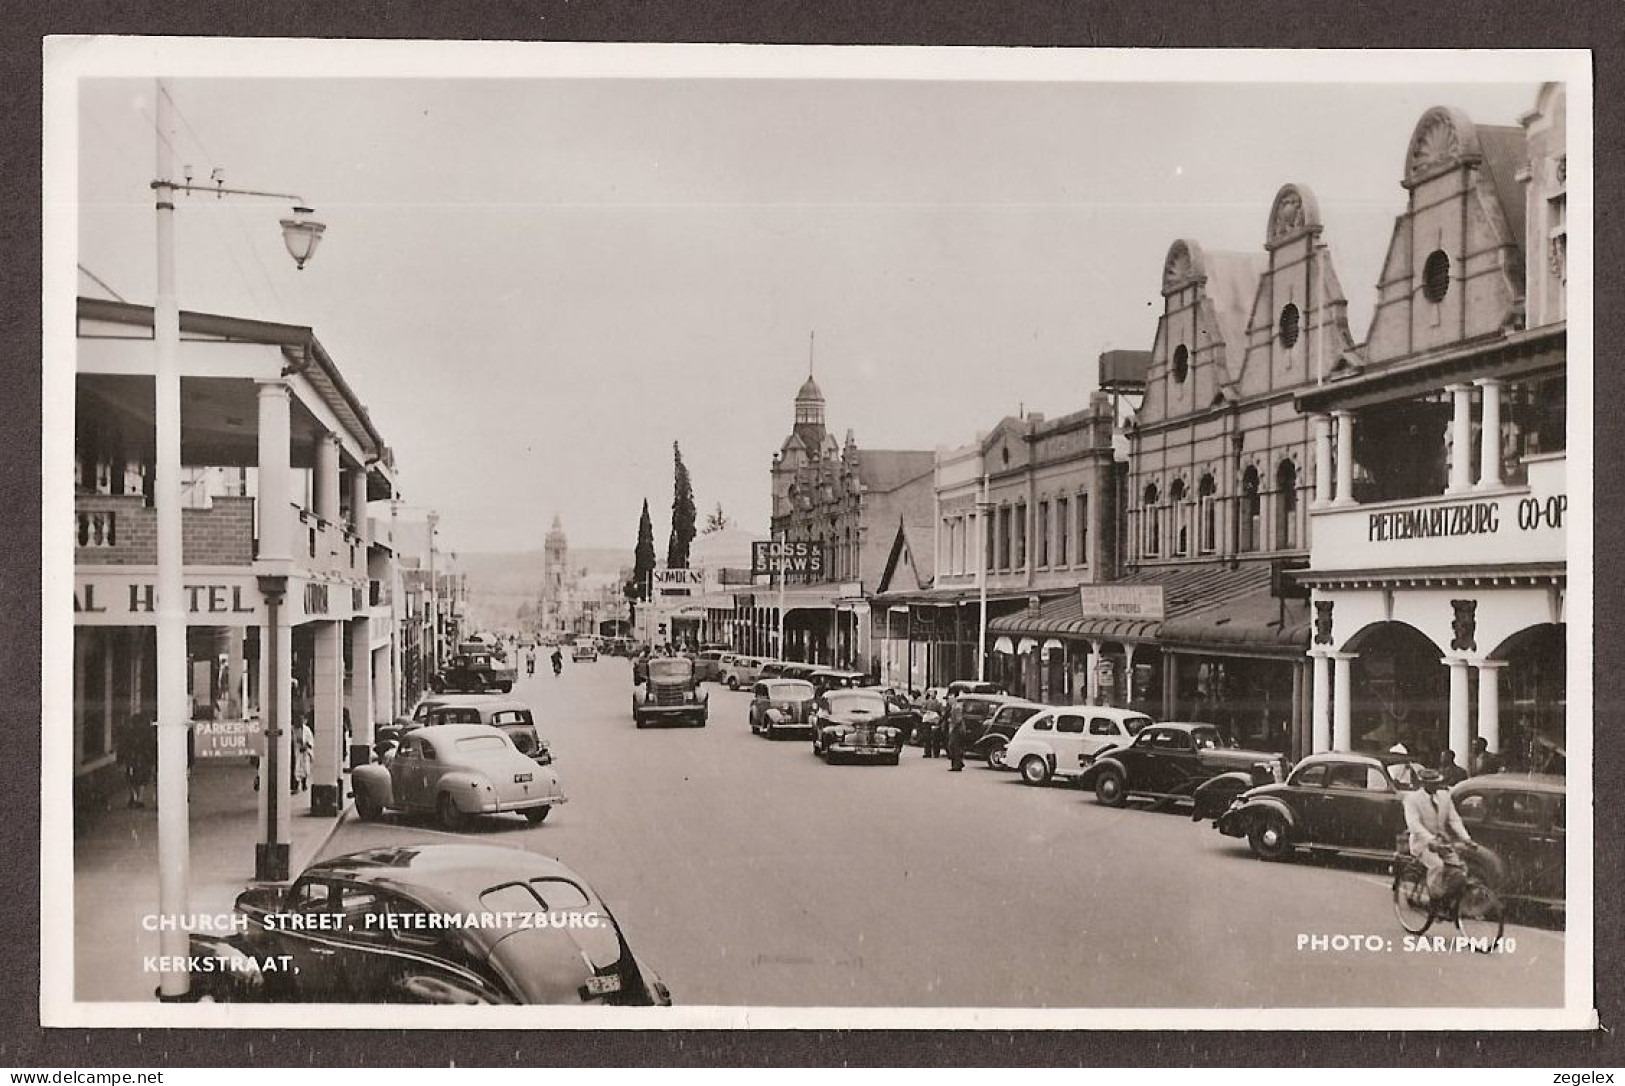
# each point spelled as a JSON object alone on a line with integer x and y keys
{"x": 748, "y": 872}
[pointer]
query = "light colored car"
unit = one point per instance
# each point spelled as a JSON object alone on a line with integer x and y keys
{"x": 1063, "y": 741}
{"x": 742, "y": 671}
{"x": 456, "y": 771}
{"x": 585, "y": 648}
{"x": 509, "y": 715}
{"x": 778, "y": 706}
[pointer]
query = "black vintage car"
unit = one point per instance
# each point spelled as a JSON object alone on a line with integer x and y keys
{"x": 856, "y": 724}
{"x": 1169, "y": 761}
{"x": 833, "y": 678}
{"x": 991, "y": 721}
{"x": 1337, "y": 802}
{"x": 1521, "y": 817}
{"x": 465, "y": 924}
{"x": 473, "y": 671}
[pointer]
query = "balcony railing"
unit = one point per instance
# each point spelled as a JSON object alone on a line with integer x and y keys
{"x": 122, "y": 530}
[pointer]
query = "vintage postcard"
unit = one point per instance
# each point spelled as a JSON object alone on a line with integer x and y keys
{"x": 597, "y": 536}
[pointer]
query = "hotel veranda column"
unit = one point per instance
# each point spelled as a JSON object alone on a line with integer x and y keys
{"x": 276, "y": 635}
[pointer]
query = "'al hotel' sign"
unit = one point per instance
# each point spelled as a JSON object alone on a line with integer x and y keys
{"x": 1132, "y": 601}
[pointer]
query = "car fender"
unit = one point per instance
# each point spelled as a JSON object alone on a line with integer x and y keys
{"x": 468, "y": 788}
{"x": 375, "y": 781}
{"x": 1214, "y": 795}
{"x": 1259, "y": 805}
{"x": 1016, "y": 750}
{"x": 233, "y": 980}
{"x": 1092, "y": 772}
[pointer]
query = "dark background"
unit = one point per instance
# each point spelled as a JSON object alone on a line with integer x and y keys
{"x": 1149, "y": 23}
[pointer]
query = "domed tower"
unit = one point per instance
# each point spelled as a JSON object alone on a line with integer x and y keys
{"x": 555, "y": 570}
{"x": 809, "y": 425}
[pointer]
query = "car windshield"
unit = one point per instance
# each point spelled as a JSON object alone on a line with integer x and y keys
{"x": 671, "y": 668}
{"x": 511, "y": 716}
{"x": 481, "y": 744}
{"x": 790, "y": 691}
{"x": 856, "y": 701}
{"x": 1134, "y": 724}
{"x": 524, "y": 736}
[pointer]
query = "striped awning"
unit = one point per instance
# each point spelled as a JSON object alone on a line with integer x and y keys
{"x": 1003, "y": 645}
{"x": 1025, "y": 645}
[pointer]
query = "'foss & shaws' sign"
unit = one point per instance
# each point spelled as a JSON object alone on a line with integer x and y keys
{"x": 792, "y": 556}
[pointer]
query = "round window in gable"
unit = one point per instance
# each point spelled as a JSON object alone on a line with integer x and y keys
{"x": 1288, "y": 328}
{"x": 1436, "y": 276}
{"x": 1182, "y": 363}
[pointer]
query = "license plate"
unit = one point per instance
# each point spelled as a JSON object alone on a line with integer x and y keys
{"x": 522, "y": 778}
{"x": 602, "y": 985}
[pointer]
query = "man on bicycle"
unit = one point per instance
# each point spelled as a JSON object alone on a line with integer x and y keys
{"x": 1434, "y": 827}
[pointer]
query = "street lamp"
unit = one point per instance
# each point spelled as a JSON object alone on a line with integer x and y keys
{"x": 174, "y": 839}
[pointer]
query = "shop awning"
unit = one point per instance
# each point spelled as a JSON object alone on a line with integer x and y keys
{"x": 1053, "y": 645}
{"x": 1025, "y": 646}
{"x": 1206, "y": 606}
{"x": 1003, "y": 645}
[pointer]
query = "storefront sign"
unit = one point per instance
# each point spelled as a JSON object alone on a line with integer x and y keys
{"x": 225, "y": 738}
{"x": 665, "y": 579}
{"x": 1137, "y": 601}
{"x": 1464, "y": 518}
{"x": 126, "y": 600}
{"x": 766, "y": 559}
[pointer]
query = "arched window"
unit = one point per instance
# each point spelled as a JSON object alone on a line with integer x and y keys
{"x": 1180, "y": 529}
{"x": 1208, "y": 513}
{"x": 1251, "y": 511}
{"x": 1153, "y": 537}
{"x": 1286, "y": 506}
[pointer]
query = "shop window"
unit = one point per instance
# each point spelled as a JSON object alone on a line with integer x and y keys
{"x": 1251, "y": 511}
{"x": 992, "y": 540}
{"x": 1436, "y": 276}
{"x": 1004, "y": 537}
{"x": 1286, "y": 506}
{"x": 1287, "y": 327}
{"x": 1182, "y": 364}
{"x": 1208, "y": 512}
{"x": 1152, "y": 535}
{"x": 1063, "y": 531}
{"x": 1042, "y": 538}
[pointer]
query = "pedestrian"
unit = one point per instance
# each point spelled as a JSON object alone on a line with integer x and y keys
{"x": 1453, "y": 774}
{"x": 304, "y": 744}
{"x": 1481, "y": 759}
{"x": 956, "y": 738}
{"x": 138, "y": 753}
{"x": 931, "y": 725}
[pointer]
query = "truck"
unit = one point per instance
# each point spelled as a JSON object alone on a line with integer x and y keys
{"x": 473, "y": 672}
{"x": 669, "y": 691}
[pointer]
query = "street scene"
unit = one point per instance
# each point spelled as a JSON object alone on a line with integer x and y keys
{"x": 837, "y": 546}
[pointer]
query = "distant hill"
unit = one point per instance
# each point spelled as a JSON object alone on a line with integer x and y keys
{"x": 499, "y": 582}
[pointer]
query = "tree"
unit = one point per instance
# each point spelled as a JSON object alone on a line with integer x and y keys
{"x": 643, "y": 562}
{"x": 716, "y": 520}
{"x": 682, "y": 513}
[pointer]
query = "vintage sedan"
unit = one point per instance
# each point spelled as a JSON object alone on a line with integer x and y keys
{"x": 1168, "y": 761}
{"x": 835, "y": 678}
{"x": 476, "y": 671}
{"x": 509, "y": 715}
{"x": 1339, "y": 801}
{"x": 457, "y": 771}
{"x": 742, "y": 671}
{"x": 430, "y": 923}
{"x": 781, "y": 706}
{"x": 856, "y": 724}
{"x": 1062, "y": 742}
{"x": 1521, "y": 817}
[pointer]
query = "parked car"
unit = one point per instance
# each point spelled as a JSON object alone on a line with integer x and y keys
{"x": 771, "y": 669}
{"x": 778, "y": 706}
{"x": 1339, "y": 801}
{"x": 473, "y": 671}
{"x": 457, "y": 771}
{"x": 509, "y": 715}
{"x": 369, "y": 928}
{"x": 804, "y": 672}
{"x": 1060, "y": 743}
{"x": 1168, "y": 761}
{"x": 670, "y": 692}
{"x": 708, "y": 665}
{"x": 834, "y": 678}
{"x": 905, "y": 710}
{"x": 855, "y": 723}
{"x": 977, "y": 712}
{"x": 971, "y": 686}
{"x": 585, "y": 648}
{"x": 1521, "y": 818}
{"x": 741, "y": 671}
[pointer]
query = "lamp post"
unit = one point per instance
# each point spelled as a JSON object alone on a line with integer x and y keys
{"x": 982, "y": 507}
{"x": 301, "y": 236}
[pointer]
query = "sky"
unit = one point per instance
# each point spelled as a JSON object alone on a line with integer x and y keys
{"x": 537, "y": 285}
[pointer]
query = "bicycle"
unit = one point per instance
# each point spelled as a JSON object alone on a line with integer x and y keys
{"x": 1472, "y": 905}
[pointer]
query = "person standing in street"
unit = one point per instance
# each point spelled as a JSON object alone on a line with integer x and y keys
{"x": 138, "y": 754}
{"x": 956, "y": 739}
{"x": 931, "y": 725}
{"x": 304, "y": 743}
{"x": 1481, "y": 759}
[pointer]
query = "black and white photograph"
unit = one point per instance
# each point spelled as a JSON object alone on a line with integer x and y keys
{"x": 766, "y": 536}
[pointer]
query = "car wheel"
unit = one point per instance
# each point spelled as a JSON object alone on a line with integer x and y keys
{"x": 995, "y": 756}
{"x": 506, "y": 688}
{"x": 451, "y": 816}
{"x": 1035, "y": 770}
{"x": 1270, "y": 838}
{"x": 537, "y": 815}
{"x": 367, "y": 808}
{"x": 733, "y": 682}
{"x": 1109, "y": 788}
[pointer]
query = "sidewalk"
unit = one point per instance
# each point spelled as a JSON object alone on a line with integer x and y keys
{"x": 115, "y": 870}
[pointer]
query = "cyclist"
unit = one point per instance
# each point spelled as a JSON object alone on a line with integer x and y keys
{"x": 558, "y": 662}
{"x": 1435, "y": 828}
